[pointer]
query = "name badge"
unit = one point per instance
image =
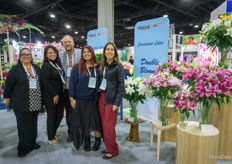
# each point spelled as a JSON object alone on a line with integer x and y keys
{"x": 92, "y": 82}
{"x": 32, "y": 83}
{"x": 69, "y": 71}
{"x": 103, "y": 84}
{"x": 62, "y": 79}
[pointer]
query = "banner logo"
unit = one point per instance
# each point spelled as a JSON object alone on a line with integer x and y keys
{"x": 95, "y": 35}
{"x": 148, "y": 27}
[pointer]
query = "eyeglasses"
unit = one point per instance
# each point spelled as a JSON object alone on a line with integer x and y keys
{"x": 26, "y": 55}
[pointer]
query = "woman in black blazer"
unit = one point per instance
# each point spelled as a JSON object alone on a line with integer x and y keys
{"x": 52, "y": 80}
{"x": 23, "y": 95}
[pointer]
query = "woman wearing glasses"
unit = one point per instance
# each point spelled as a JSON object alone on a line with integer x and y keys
{"x": 53, "y": 81}
{"x": 23, "y": 95}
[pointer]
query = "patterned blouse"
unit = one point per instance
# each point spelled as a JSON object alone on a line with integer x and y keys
{"x": 35, "y": 99}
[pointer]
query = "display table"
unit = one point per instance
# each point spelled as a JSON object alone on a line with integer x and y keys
{"x": 222, "y": 119}
{"x": 195, "y": 146}
{"x": 134, "y": 130}
{"x": 160, "y": 128}
{"x": 170, "y": 135}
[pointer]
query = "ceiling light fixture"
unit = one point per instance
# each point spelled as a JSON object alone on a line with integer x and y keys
{"x": 129, "y": 28}
{"x": 196, "y": 26}
{"x": 181, "y": 32}
{"x": 24, "y": 36}
{"x": 68, "y": 26}
{"x": 53, "y": 37}
{"x": 76, "y": 32}
{"x": 165, "y": 16}
{"x": 128, "y": 44}
{"x": 52, "y": 16}
{"x": 82, "y": 37}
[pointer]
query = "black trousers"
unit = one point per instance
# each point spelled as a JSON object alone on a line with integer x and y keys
{"x": 27, "y": 130}
{"x": 54, "y": 115}
{"x": 67, "y": 106}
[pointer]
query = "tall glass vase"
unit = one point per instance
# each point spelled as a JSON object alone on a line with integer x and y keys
{"x": 163, "y": 111}
{"x": 183, "y": 120}
{"x": 225, "y": 58}
{"x": 133, "y": 111}
{"x": 205, "y": 115}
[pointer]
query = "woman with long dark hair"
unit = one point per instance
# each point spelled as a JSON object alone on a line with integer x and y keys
{"x": 53, "y": 81}
{"x": 23, "y": 95}
{"x": 82, "y": 92}
{"x": 111, "y": 89}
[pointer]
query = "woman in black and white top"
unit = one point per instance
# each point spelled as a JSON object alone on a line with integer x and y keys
{"x": 53, "y": 80}
{"x": 23, "y": 95}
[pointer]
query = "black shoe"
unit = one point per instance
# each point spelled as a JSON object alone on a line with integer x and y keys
{"x": 106, "y": 157}
{"x": 37, "y": 146}
{"x": 69, "y": 139}
{"x": 97, "y": 144}
{"x": 104, "y": 151}
{"x": 87, "y": 144}
{"x": 22, "y": 154}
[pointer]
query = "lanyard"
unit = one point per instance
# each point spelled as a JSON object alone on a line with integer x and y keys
{"x": 90, "y": 72}
{"x": 73, "y": 62}
{"x": 32, "y": 69}
{"x": 104, "y": 72}
{"x": 58, "y": 69}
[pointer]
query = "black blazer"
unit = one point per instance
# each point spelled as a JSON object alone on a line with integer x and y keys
{"x": 17, "y": 88}
{"x": 51, "y": 81}
{"x": 115, "y": 83}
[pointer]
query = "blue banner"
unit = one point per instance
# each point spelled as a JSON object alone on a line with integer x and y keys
{"x": 97, "y": 38}
{"x": 150, "y": 45}
{"x": 229, "y": 6}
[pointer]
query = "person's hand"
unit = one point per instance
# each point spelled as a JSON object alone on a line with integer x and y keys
{"x": 7, "y": 102}
{"x": 114, "y": 108}
{"x": 73, "y": 103}
{"x": 56, "y": 99}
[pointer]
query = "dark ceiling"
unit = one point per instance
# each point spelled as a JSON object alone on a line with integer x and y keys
{"x": 81, "y": 15}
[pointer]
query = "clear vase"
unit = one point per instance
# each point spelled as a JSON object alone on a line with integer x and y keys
{"x": 225, "y": 60}
{"x": 163, "y": 111}
{"x": 205, "y": 115}
{"x": 183, "y": 120}
{"x": 133, "y": 111}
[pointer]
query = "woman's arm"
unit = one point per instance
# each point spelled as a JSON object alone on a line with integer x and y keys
{"x": 72, "y": 85}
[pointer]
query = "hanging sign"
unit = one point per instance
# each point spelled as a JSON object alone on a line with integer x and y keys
{"x": 97, "y": 38}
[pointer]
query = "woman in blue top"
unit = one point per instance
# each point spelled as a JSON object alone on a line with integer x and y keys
{"x": 82, "y": 89}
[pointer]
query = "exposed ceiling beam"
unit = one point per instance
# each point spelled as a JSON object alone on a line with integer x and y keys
{"x": 129, "y": 4}
{"x": 62, "y": 8}
{"x": 77, "y": 16}
{"x": 174, "y": 8}
{"x": 41, "y": 9}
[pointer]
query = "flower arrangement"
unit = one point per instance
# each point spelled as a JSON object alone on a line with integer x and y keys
{"x": 218, "y": 33}
{"x": 126, "y": 65}
{"x": 135, "y": 91}
{"x": 184, "y": 101}
{"x": 98, "y": 54}
{"x": 175, "y": 68}
{"x": 209, "y": 84}
{"x": 163, "y": 85}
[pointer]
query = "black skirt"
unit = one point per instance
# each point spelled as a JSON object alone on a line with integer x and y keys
{"x": 85, "y": 118}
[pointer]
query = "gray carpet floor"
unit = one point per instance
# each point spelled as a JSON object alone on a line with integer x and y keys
{"x": 130, "y": 152}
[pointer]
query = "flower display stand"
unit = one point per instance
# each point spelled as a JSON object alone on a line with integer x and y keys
{"x": 222, "y": 119}
{"x": 134, "y": 130}
{"x": 195, "y": 146}
{"x": 170, "y": 135}
{"x": 160, "y": 128}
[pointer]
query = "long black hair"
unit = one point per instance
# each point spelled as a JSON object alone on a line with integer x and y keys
{"x": 57, "y": 60}
{"x": 19, "y": 61}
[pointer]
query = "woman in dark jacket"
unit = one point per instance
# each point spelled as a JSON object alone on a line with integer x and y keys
{"x": 23, "y": 95}
{"x": 111, "y": 89}
{"x": 82, "y": 91}
{"x": 52, "y": 80}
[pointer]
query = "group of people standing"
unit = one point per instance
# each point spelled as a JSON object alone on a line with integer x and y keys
{"x": 90, "y": 92}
